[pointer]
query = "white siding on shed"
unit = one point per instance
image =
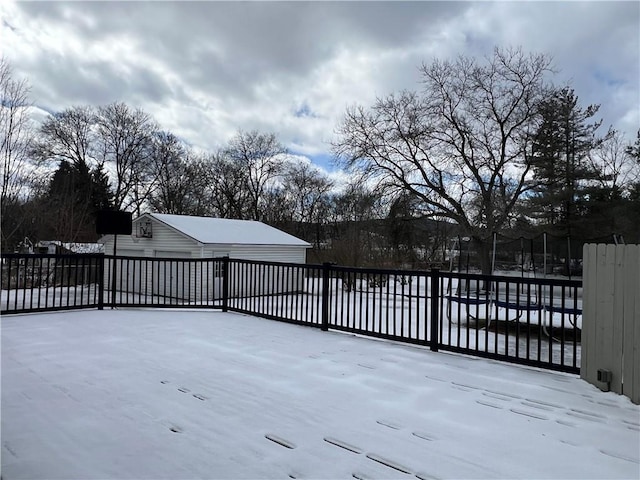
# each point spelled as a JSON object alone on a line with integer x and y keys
{"x": 267, "y": 253}
{"x": 131, "y": 252}
{"x": 174, "y": 278}
{"x": 164, "y": 239}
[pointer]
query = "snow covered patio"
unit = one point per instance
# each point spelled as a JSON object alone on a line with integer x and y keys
{"x": 149, "y": 394}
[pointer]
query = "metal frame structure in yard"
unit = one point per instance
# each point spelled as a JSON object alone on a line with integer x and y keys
{"x": 529, "y": 321}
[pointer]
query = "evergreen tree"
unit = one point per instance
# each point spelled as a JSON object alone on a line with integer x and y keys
{"x": 74, "y": 195}
{"x": 71, "y": 181}
{"x": 101, "y": 193}
{"x": 562, "y": 170}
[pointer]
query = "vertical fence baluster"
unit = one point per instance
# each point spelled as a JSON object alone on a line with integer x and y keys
{"x": 562, "y": 327}
{"x": 435, "y": 294}
{"x": 100, "y": 287}
{"x": 225, "y": 284}
{"x": 82, "y": 283}
{"x": 9, "y": 262}
{"x": 325, "y": 295}
{"x": 61, "y": 281}
{"x": 298, "y": 270}
{"x": 244, "y": 279}
{"x": 149, "y": 286}
{"x": 24, "y": 284}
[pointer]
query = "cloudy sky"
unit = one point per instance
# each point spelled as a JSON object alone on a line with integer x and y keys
{"x": 206, "y": 69}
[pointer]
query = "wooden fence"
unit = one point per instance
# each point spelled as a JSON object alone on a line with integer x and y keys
{"x": 611, "y": 318}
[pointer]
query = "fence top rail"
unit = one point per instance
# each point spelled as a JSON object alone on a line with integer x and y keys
{"x": 556, "y": 282}
{"x": 382, "y": 271}
{"x": 174, "y": 259}
{"x": 308, "y": 266}
{"x": 4, "y": 256}
{"x": 514, "y": 279}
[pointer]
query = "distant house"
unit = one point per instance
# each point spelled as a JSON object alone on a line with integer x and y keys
{"x": 165, "y": 236}
{"x": 59, "y": 248}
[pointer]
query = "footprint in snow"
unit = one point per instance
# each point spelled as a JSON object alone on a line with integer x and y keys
{"x": 280, "y": 441}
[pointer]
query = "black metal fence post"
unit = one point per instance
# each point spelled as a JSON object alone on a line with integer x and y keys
{"x": 435, "y": 311}
{"x": 326, "y": 274}
{"x": 225, "y": 283}
{"x": 113, "y": 274}
{"x": 101, "y": 261}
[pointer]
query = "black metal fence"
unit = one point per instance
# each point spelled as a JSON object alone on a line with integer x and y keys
{"x": 50, "y": 282}
{"x": 163, "y": 282}
{"x": 523, "y": 319}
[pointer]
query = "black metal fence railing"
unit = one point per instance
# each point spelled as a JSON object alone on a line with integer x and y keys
{"x": 527, "y": 320}
{"x": 163, "y": 282}
{"x": 291, "y": 292}
{"x": 535, "y": 321}
{"x": 50, "y": 282}
{"x": 387, "y": 304}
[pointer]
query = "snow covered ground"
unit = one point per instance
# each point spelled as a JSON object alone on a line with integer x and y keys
{"x": 143, "y": 394}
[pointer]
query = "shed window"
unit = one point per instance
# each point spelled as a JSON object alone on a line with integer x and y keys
{"x": 144, "y": 230}
{"x": 217, "y": 272}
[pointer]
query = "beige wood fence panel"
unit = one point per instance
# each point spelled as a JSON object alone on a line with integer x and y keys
{"x": 631, "y": 341}
{"x": 611, "y": 317}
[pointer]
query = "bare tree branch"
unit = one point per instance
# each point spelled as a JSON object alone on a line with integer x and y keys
{"x": 461, "y": 145}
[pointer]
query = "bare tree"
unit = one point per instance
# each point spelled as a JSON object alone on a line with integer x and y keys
{"x": 610, "y": 201}
{"x": 170, "y": 172}
{"x": 275, "y": 210}
{"x": 229, "y": 192}
{"x": 182, "y": 179}
{"x": 462, "y": 145}
{"x": 305, "y": 189}
{"x": 16, "y": 136}
{"x": 79, "y": 187}
{"x": 259, "y": 155}
{"x": 67, "y": 135}
{"x": 124, "y": 141}
{"x": 201, "y": 191}
{"x": 617, "y": 169}
{"x": 352, "y": 215}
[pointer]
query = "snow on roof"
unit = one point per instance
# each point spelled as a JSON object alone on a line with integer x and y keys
{"x": 228, "y": 231}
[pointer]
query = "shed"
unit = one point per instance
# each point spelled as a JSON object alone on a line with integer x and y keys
{"x": 184, "y": 236}
{"x": 157, "y": 235}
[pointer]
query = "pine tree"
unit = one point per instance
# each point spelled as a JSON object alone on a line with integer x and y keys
{"x": 101, "y": 193}
{"x": 74, "y": 195}
{"x": 561, "y": 168}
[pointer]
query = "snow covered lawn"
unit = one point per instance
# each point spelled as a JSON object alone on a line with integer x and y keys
{"x": 142, "y": 394}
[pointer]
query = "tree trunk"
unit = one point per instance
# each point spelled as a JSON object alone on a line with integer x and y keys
{"x": 483, "y": 247}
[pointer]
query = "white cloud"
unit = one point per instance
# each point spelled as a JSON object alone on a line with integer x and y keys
{"x": 206, "y": 69}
